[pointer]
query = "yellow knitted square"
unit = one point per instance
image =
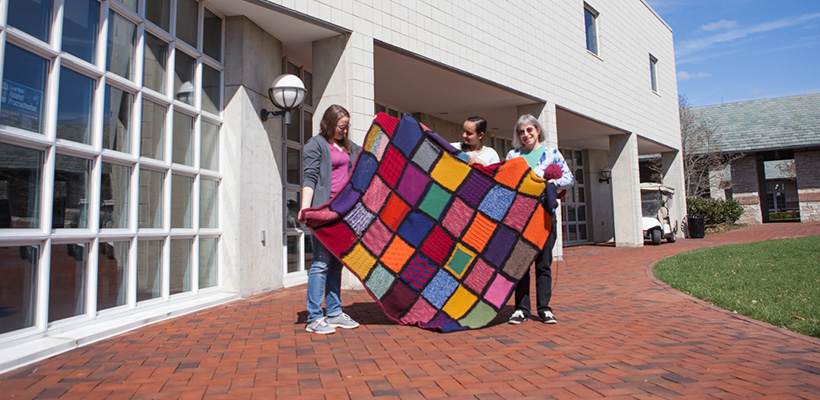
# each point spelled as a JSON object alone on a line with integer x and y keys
{"x": 359, "y": 261}
{"x": 459, "y": 303}
{"x": 450, "y": 172}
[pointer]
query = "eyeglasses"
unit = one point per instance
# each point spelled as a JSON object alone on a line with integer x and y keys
{"x": 529, "y": 129}
{"x": 342, "y": 127}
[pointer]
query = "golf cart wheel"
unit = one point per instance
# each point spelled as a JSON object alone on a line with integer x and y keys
{"x": 673, "y": 238}
{"x": 656, "y": 237}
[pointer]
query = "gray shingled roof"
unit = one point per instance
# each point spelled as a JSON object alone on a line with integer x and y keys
{"x": 784, "y": 122}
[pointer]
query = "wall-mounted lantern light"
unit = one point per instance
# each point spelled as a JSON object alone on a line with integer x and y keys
{"x": 287, "y": 92}
{"x": 186, "y": 93}
{"x": 606, "y": 175}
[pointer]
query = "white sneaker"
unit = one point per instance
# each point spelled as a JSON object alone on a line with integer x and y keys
{"x": 342, "y": 321}
{"x": 517, "y": 317}
{"x": 320, "y": 326}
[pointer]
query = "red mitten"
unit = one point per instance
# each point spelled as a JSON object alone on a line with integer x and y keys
{"x": 553, "y": 171}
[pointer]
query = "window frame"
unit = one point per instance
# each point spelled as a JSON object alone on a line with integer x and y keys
{"x": 594, "y": 39}
{"x": 653, "y": 73}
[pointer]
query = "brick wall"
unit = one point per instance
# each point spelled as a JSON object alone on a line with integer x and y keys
{"x": 745, "y": 189}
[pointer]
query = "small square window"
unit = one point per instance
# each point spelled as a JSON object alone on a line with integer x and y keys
{"x": 591, "y": 25}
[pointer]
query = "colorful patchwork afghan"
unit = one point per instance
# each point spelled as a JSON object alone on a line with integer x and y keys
{"x": 435, "y": 242}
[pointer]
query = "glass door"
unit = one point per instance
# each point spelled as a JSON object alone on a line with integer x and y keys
{"x": 574, "y": 207}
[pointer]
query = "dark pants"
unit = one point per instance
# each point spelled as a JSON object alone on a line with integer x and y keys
{"x": 543, "y": 279}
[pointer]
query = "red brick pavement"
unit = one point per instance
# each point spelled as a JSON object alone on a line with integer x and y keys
{"x": 621, "y": 334}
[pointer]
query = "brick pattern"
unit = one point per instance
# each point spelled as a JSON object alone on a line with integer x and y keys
{"x": 806, "y": 164}
{"x": 745, "y": 189}
{"x": 621, "y": 334}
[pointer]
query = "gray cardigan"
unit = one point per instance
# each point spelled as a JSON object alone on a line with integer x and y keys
{"x": 317, "y": 168}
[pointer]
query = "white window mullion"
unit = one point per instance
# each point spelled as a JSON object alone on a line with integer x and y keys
{"x": 102, "y": 37}
{"x": 57, "y": 25}
{"x": 44, "y": 268}
{"x": 92, "y": 268}
{"x": 132, "y": 274}
{"x": 165, "y": 269}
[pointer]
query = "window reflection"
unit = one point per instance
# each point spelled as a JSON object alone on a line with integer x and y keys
{"x": 212, "y": 35}
{"x": 156, "y": 60}
{"x": 187, "y": 18}
{"x": 112, "y": 276}
{"x": 117, "y": 119}
{"x": 21, "y": 170}
{"x": 159, "y": 12}
{"x": 18, "y": 267}
{"x": 149, "y": 269}
{"x": 114, "y": 194}
{"x": 31, "y": 16}
{"x": 211, "y": 99}
{"x": 184, "y": 78}
{"x": 80, "y": 20}
{"x": 71, "y": 192}
{"x": 208, "y": 201}
{"x": 180, "y": 262}
{"x": 209, "y": 146}
{"x": 152, "y": 137}
{"x": 24, "y": 82}
{"x": 183, "y": 139}
{"x": 67, "y": 281}
{"x": 207, "y": 263}
{"x": 150, "y": 199}
{"x": 293, "y": 203}
{"x": 294, "y": 163}
{"x": 75, "y": 106}
{"x": 181, "y": 201}
{"x": 122, "y": 35}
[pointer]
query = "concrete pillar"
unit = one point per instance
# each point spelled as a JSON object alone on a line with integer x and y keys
{"x": 672, "y": 169}
{"x": 626, "y": 194}
{"x": 806, "y": 164}
{"x": 746, "y": 190}
{"x": 343, "y": 73}
{"x": 251, "y": 190}
{"x": 716, "y": 184}
{"x": 545, "y": 113}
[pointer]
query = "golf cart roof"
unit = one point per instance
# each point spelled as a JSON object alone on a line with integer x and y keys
{"x": 652, "y": 187}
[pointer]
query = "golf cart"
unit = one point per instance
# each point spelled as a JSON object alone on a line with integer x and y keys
{"x": 656, "y": 200}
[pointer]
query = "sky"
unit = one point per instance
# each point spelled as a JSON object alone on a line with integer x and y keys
{"x": 737, "y": 50}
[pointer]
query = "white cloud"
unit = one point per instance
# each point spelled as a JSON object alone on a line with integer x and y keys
{"x": 688, "y": 47}
{"x": 723, "y": 24}
{"x": 684, "y": 75}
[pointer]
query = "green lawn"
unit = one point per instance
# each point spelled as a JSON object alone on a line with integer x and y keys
{"x": 776, "y": 281}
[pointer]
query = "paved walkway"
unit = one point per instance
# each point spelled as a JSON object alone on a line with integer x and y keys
{"x": 621, "y": 334}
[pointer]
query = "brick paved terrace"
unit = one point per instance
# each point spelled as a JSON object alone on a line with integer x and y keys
{"x": 621, "y": 334}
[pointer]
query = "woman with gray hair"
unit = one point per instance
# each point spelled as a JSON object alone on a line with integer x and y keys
{"x": 529, "y": 142}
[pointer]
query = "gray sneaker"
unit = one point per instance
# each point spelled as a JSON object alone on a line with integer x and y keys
{"x": 342, "y": 321}
{"x": 320, "y": 326}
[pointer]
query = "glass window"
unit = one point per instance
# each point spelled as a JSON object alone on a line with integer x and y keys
{"x": 180, "y": 266}
{"x": 75, "y": 106}
{"x": 18, "y": 267}
{"x": 181, "y": 201}
{"x": 159, "y": 12}
{"x": 293, "y": 129}
{"x": 24, "y": 85}
{"x": 207, "y": 263}
{"x": 293, "y": 254}
{"x": 212, "y": 35}
{"x": 653, "y": 63}
{"x": 31, "y": 16}
{"x": 117, "y": 119}
{"x": 122, "y": 35}
{"x": 183, "y": 148}
{"x": 208, "y": 202}
{"x": 21, "y": 170}
{"x": 149, "y": 269}
{"x": 150, "y": 199}
{"x": 307, "y": 126}
{"x": 187, "y": 19}
{"x": 294, "y": 163}
{"x": 114, "y": 195}
{"x": 184, "y": 78}
{"x": 71, "y": 192}
{"x": 156, "y": 60}
{"x": 132, "y": 4}
{"x": 80, "y": 21}
{"x": 67, "y": 281}
{"x": 152, "y": 138}
{"x": 209, "y": 146}
{"x": 590, "y": 22}
{"x": 211, "y": 100}
{"x": 293, "y": 203}
{"x": 112, "y": 275}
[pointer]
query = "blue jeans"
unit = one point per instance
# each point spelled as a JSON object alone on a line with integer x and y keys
{"x": 324, "y": 283}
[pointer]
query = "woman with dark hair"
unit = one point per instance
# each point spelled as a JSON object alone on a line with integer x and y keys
{"x": 474, "y": 130}
{"x": 529, "y": 142}
{"x": 328, "y": 158}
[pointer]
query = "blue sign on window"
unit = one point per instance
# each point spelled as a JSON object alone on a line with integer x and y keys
{"x": 21, "y": 106}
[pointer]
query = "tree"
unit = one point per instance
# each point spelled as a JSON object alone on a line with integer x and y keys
{"x": 701, "y": 151}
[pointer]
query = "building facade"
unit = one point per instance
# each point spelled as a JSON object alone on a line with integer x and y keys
{"x": 778, "y": 142}
{"x": 138, "y": 182}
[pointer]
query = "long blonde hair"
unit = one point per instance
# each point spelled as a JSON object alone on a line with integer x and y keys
{"x": 327, "y": 127}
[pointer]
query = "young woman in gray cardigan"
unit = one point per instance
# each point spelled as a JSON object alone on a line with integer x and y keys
{"x": 329, "y": 158}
